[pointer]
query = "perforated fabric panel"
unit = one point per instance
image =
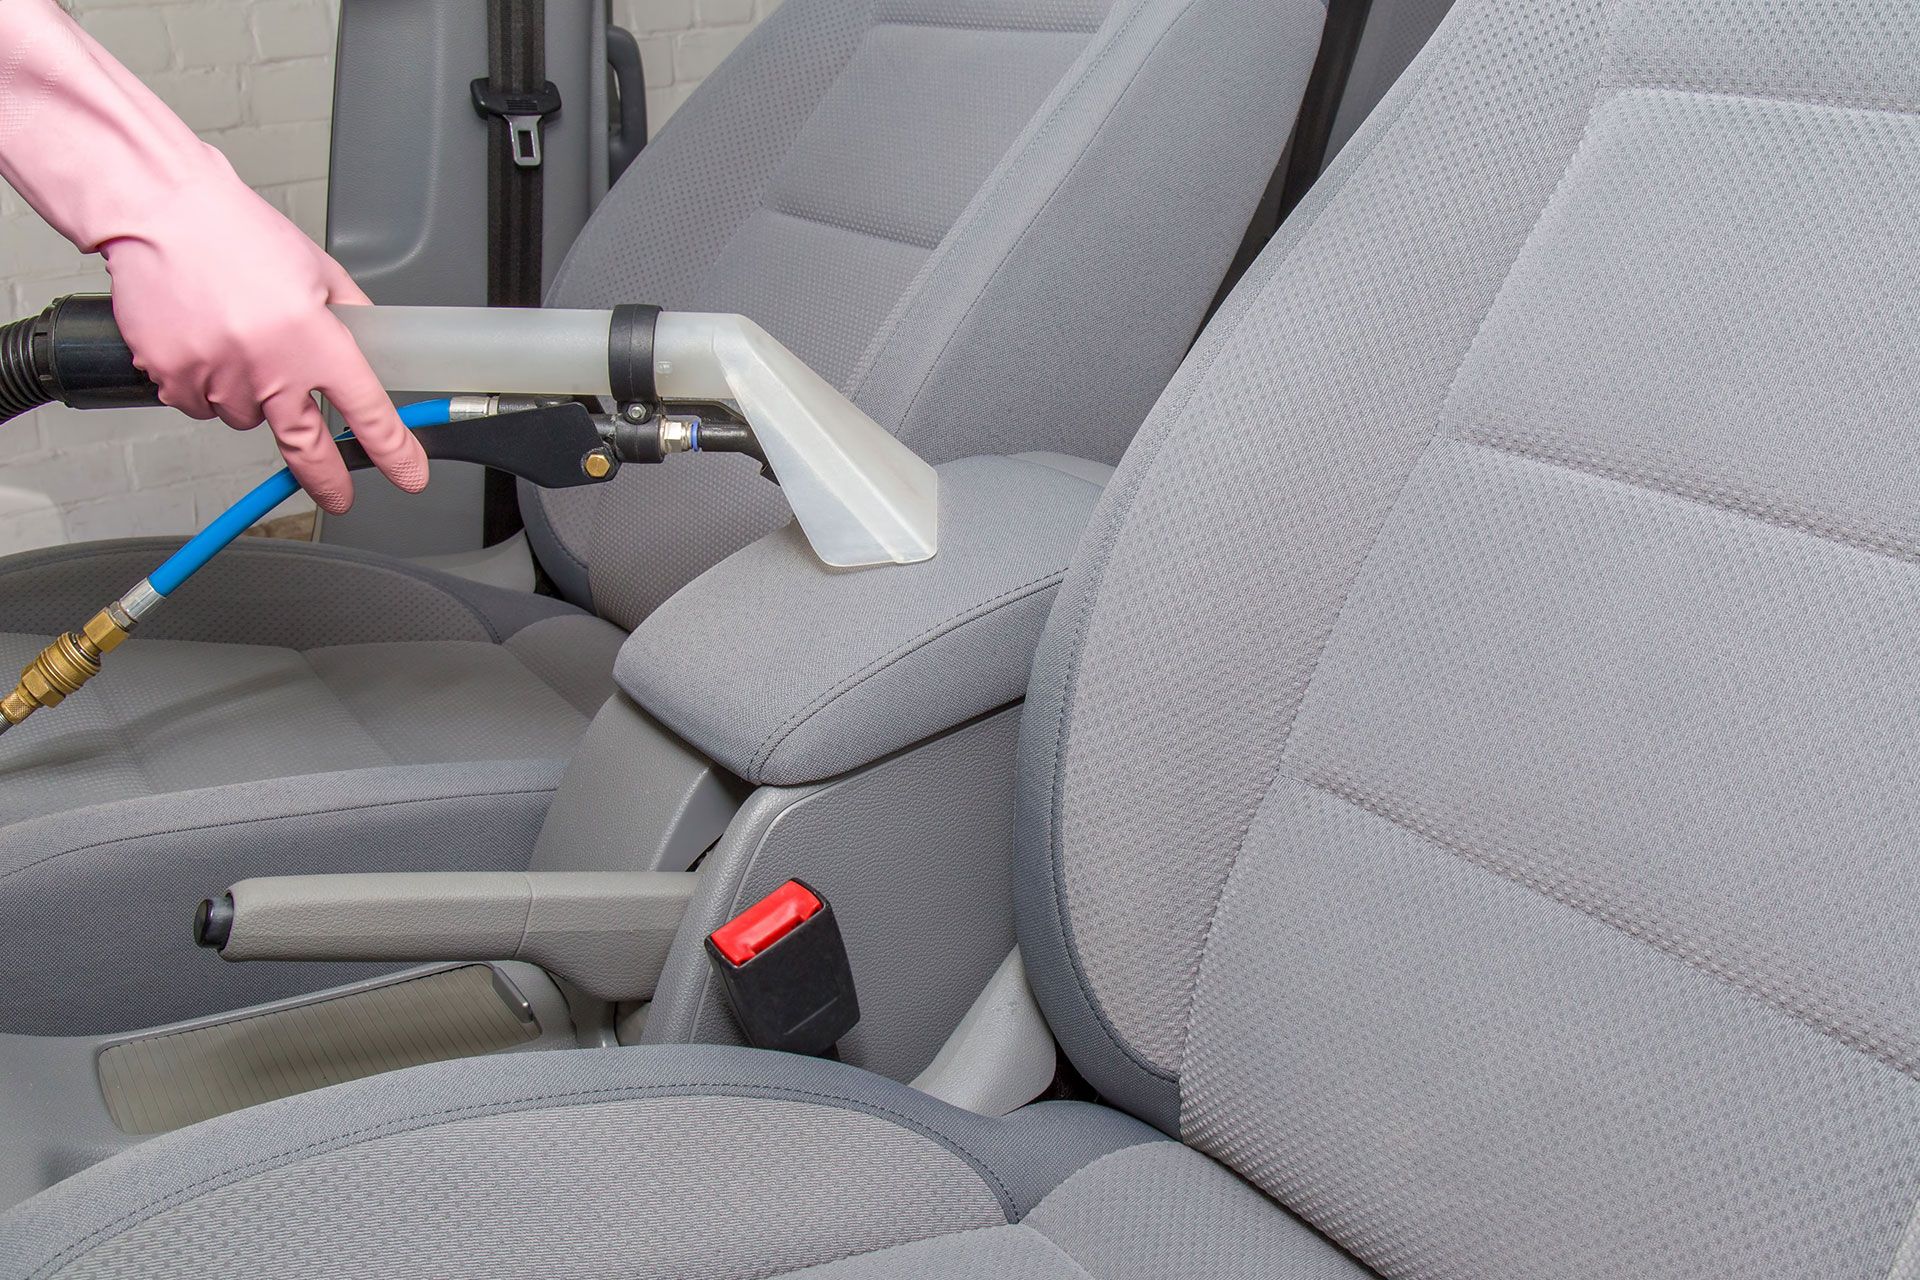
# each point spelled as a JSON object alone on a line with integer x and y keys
{"x": 1153, "y": 1210}
{"x": 573, "y": 656}
{"x": 1160, "y": 1209}
{"x": 1006, "y": 1252}
{"x": 995, "y": 229}
{"x": 682, "y": 1161}
{"x": 1654, "y": 262}
{"x": 1454, "y": 1076}
{"x": 172, "y": 716}
{"x": 1536, "y": 828}
{"x": 644, "y": 1188}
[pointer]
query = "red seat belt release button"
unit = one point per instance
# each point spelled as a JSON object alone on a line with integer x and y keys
{"x": 766, "y": 922}
{"x": 784, "y": 970}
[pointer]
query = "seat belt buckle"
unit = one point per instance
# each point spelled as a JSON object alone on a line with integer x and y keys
{"x": 525, "y": 114}
{"x": 783, "y": 966}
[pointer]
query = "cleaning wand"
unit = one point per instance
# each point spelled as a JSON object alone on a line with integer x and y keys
{"x": 683, "y": 382}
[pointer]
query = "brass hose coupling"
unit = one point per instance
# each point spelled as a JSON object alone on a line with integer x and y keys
{"x": 66, "y": 664}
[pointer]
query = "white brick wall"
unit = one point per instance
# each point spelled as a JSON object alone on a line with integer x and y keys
{"x": 255, "y": 78}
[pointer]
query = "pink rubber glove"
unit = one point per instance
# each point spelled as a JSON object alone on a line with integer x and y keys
{"x": 223, "y": 301}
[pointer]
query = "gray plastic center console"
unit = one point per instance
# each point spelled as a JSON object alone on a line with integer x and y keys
{"x": 877, "y": 712}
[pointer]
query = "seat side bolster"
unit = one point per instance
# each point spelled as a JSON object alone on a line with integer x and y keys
{"x": 1001, "y": 1168}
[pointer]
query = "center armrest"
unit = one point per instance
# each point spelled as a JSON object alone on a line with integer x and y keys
{"x": 786, "y": 671}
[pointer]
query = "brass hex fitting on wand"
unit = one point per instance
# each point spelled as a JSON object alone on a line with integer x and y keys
{"x": 63, "y": 666}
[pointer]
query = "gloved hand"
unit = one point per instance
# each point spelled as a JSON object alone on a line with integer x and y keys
{"x": 223, "y": 301}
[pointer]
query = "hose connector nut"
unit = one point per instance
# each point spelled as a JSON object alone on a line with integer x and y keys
{"x": 60, "y": 669}
{"x": 678, "y": 433}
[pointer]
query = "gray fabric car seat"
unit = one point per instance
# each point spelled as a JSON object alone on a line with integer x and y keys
{"x": 997, "y": 223}
{"x": 1467, "y": 787}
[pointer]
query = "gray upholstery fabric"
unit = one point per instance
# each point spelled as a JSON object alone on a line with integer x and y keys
{"x": 636, "y": 1162}
{"x": 1467, "y": 785}
{"x": 997, "y": 224}
{"x": 386, "y": 718}
{"x": 1164, "y": 1210}
{"x": 280, "y": 661}
{"x": 96, "y": 903}
{"x": 263, "y": 592}
{"x": 787, "y": 671}
{"x": 1145, "y": 1212}
{"x": 174, "y": 716}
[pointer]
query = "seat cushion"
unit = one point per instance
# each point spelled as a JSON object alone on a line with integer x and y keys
{"x": 668, "y": 1162}
{"x": 293, "y": 709}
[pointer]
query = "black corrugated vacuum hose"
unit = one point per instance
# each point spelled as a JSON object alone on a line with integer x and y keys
{"x": 71, "y": 352}
{"x": 20, "y": 385}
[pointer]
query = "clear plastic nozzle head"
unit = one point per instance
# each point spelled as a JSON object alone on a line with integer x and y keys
{"x": 860, "y": 496}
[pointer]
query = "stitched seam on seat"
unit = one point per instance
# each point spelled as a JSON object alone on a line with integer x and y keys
{"x": 587, "y": 712}
{"x": 1057, "y": 1247}
{"x": 1096, "y": 1162}
{"x": 778, "y": 205}
{"x": 977, "y": 212}
{"x": 1786, "y": 97}
{"x": 950, "y": 24}
{"x": 1907, "y": 1254}
{"x": 1603, "y": 91}
{"x": 345, "y": 706}
{"x": 120, "y": 722}
{"x": 965, "y": 618}
{"x": 272, "y": 817}
{"x": 758, "y": 199}
{"x": 1095, "y": 485}
{"x": 1906, "y": 1258}
{"x": 1652, "y": 933}
{"x": 1698, "y": 493}
{"x": 532, "y": 1102}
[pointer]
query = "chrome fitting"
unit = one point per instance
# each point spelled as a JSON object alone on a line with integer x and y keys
{"x": 677, "y": 433}
{"x": 137, "y": 603}
{"x": 467, "y": 407}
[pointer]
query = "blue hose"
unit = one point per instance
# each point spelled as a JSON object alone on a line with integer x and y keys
{"x": 253, "y": 508}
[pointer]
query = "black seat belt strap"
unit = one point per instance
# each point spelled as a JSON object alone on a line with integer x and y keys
{"x": 1320, "y": 105}
{"x": 1306, "y": 151}
{"x": 516, "y": 99}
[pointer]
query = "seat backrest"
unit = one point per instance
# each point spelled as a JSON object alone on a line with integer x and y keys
{"x": 995, "y": 223}
{"x": 1468, "y": 786}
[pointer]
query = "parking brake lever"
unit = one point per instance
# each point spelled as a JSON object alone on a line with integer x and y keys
{"x": 605, "y": 932}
